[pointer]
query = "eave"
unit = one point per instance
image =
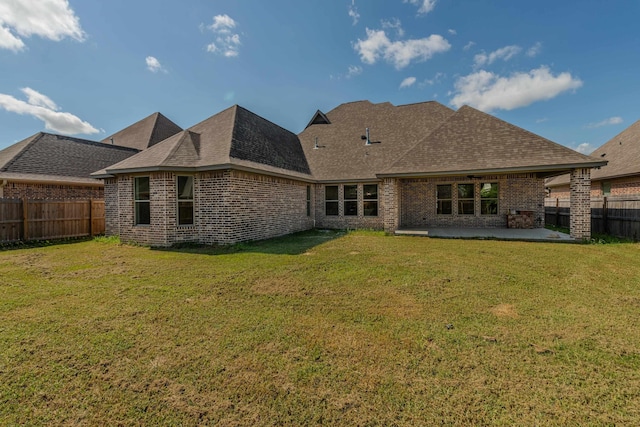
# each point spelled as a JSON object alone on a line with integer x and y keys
{"x": 110, "y": 173}
{"x": 563, "y": 168}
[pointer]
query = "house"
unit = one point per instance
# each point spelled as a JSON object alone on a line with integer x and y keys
{"x": 237, "y": 176}
{"x": 50, "y": 166}
{"x": 621, "y": 175}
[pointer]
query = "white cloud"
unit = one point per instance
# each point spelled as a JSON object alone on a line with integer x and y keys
{"x": 395, "y": 24}
{"x": 227, "y": 42}
{"x": 42, "y": 107}
{"x": 399, "y": 53}
{"x": 542, "y": 120}
{"x": 504, "y": 53}
{"x": 606, "y": 122}
{"x": 353, "y": 12}
{"x": 353, "y": 71}
{"x": 468, "y": 46}
{"x": 430, "y": 82}
{"x": 487, "y": 91}
{"x": 585, "y": 148}
{"x": 50, "y": 19}
{"x": 452, "y": 31}
{"x": 222, "y": 24}
{"x": 534, "y": 50}
{"x": 154, "y": 65}
{"x": 409, "y": 81}
{"x": 426, "y": 6}
{"x": 38, "y": 99}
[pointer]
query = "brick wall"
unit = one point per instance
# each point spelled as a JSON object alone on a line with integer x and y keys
{"x": 628, "y": 186}
{"x": 515, "y": 191}
{"x": 342, "y": 221}
{"x": 21, "y": 190}
{"x": 580, "y": 204}
{"x": 229, "y": 207}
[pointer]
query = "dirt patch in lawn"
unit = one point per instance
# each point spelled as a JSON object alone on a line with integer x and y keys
{"x": 504, "y": 310}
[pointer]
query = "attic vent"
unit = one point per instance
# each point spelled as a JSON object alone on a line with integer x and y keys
{"x": 367, "y": 138}
{"x": 603, "y": 154}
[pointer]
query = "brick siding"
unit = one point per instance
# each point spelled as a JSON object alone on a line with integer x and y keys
{"x": 229, "y": 207}
{"x": 627, "y": 186}
{"x": 515, "y": 192}
{"x": 580, "y": 204}
{"x": 346, "y": 222}
{"x": 21, "y": 190}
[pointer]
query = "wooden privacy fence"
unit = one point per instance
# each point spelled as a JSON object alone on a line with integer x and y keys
{"x": 23, "y": 219}
{"x": 616, "y": 215}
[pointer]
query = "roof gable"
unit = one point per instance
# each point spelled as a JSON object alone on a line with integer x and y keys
{"x": 471, "y": 140}
{"x": 319, "y": 118}
{"x": 144, "y": 133}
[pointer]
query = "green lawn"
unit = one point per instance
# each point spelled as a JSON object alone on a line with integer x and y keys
{"x": 321, "y": 328}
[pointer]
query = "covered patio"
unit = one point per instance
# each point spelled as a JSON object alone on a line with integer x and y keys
{"x": 529, "y": 235}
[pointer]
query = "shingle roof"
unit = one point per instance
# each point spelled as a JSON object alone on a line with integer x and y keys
{"x": 144, "y": 133}
{"x": 342, "y": 154}
{"x": 622, "y": 153}
{"x": 46, "y": 155}
{"x": 471, "y": 140}
{"x": 234, "y": 136}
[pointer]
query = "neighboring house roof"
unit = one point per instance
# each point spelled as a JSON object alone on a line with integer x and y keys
{"x": 50, "y": 157}
{"x": 342, "y": 154}
{"x": 471, "y": 141}
{"x": 234, "y": 137}
{"x": 144, "y": 133}
{"x": 622, "y": 152}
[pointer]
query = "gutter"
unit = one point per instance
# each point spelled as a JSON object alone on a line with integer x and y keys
{"x": 521, "y": 169}
{"x": 227, "y": 166}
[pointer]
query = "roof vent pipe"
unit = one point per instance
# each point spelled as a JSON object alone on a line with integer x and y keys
{"x": 368, "y": 140}
{"x": 316, "y": 146}
{"x": 111, "y": 141}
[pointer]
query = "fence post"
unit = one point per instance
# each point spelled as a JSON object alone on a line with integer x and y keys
{"x": 605, "y": 215}
{"x": 25, "y": 220}
{"x": 557, "y": 217}
{"x": 91, "y": 217}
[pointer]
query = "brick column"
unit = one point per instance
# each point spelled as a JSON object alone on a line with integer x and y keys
{"x": 391, "y": 208}
{"x": 580, "y": 204}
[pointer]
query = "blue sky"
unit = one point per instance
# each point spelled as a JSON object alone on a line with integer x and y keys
{"x": 566, "y": 70}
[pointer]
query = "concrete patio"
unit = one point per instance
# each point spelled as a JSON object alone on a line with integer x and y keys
{"x": 532, "y": 235}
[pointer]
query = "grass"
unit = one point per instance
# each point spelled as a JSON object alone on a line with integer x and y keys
{"x": 321, "y": 328}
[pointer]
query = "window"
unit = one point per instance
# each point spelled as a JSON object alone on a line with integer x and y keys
{"x": 489, "y": 198}
{"x": 351, "y": 200}
{"x": 370, "y": 204}
{"x": 443, "y": 196}
{"x": 606, "y": 188}
{"x": 185, "y": 200}
{"x": 466, "y": 202}
{"x": 308, "y": 200}
{"x": 142, "y": 200}
{"x": 331, "y": 200}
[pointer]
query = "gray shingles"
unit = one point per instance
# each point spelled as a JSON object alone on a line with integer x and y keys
{"x": 57, "y": 155}
{"x": 472, "y": 140}
{"x": 144, "y": 133}
{"x": 342, "y": 154}
{"x": 233, "y": 136}
{"x": 622, "y": 153}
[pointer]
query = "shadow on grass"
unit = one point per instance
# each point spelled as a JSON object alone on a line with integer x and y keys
{"x": 19, "y": 244}
{"x": 291, "y": 244}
